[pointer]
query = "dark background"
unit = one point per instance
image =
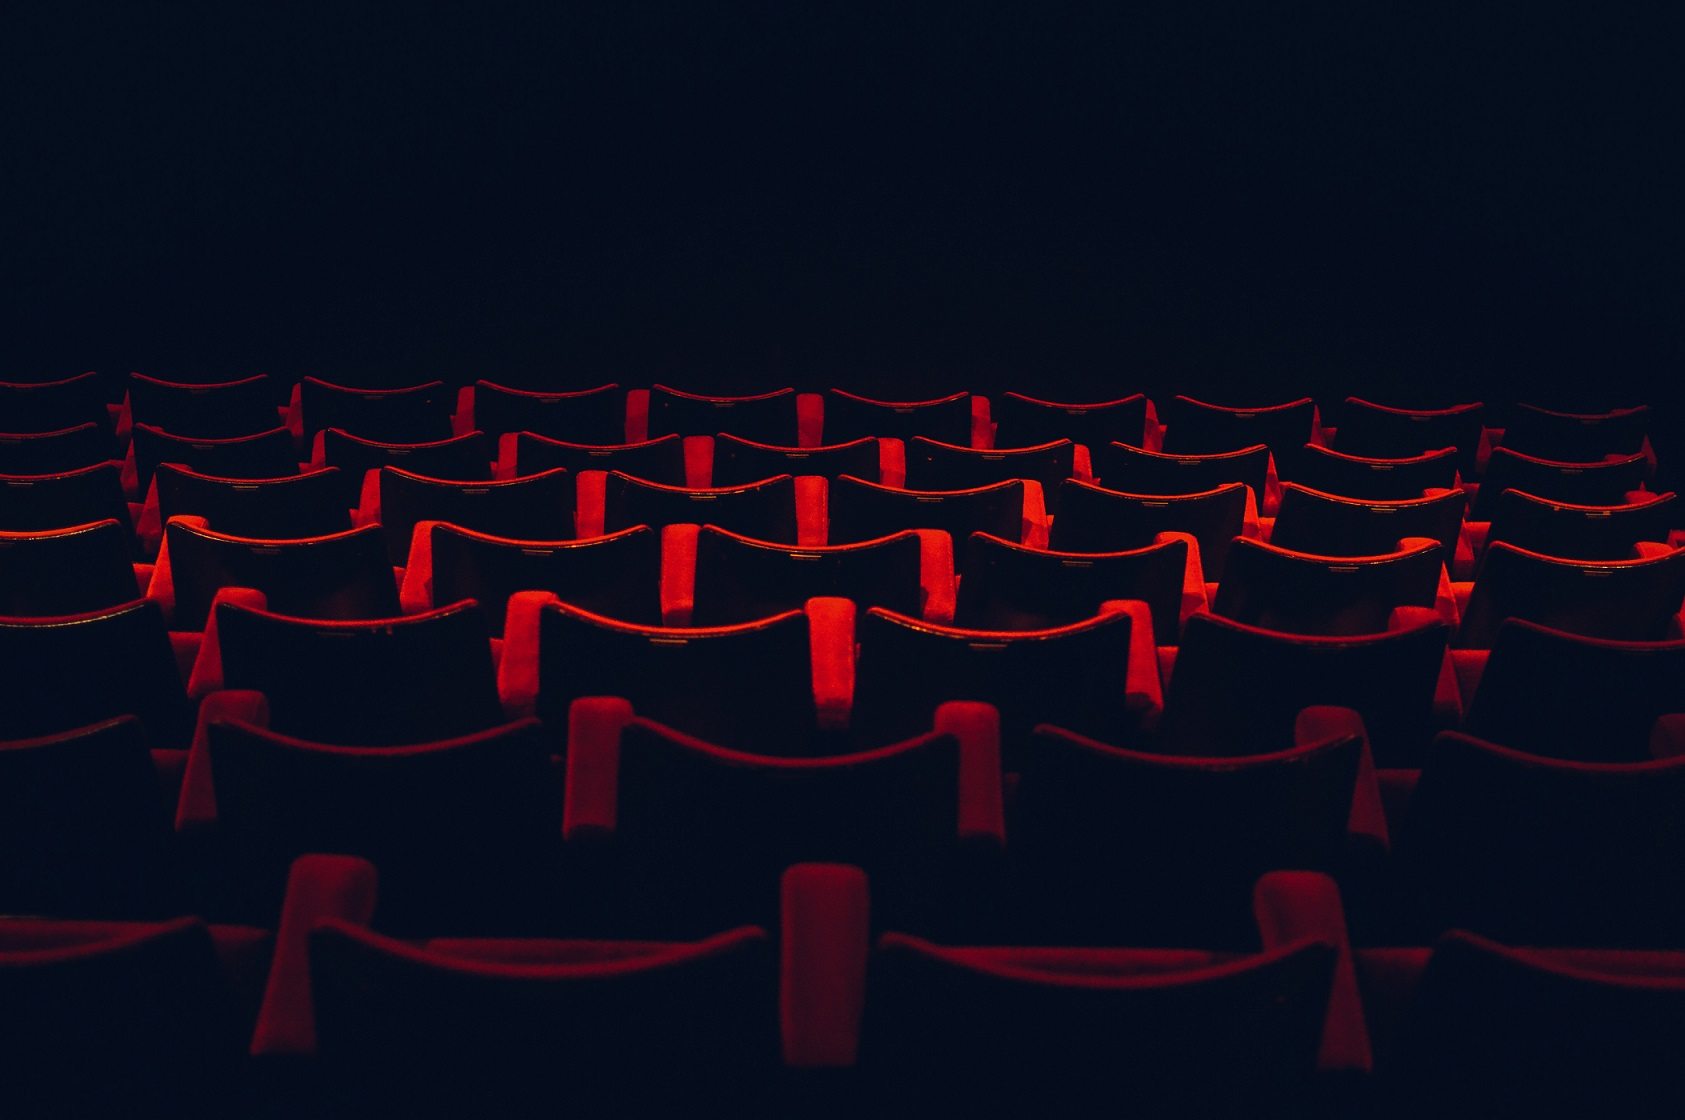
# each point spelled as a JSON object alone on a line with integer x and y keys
{"x": 1243, "y": 202}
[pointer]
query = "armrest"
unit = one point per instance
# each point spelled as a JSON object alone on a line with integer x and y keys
{"x": 1651, "y": 550}
{"x": 1249, "y": 525}
{"x": 1083, "y": 465}
{"x": 1143, "y": 687}
{"x": 1469, "y": 665}
{"x": 1447, "y": 698}
{"x": 590, "y": 501}
{"x": 637, "y": 415}
{"x": 462, "y": 420}
{"x": 936, "y": 575}
{"x": 149, "y": 527}
{"x": 517, "y": 670}
{"x": 161, "y": 588}
{"x": 824, "y": 942}
{"x": 982, "y": 812}
{"x": 1152, "y": 433}
{"x": 699, "y": 460}
{"x": 196, "y": 807}
{"x": 892, "y": 461}
{"x": 293, "y": 417}
{"x": 678, "y": 573}
{"x": 1667, "y": 736}
{"x": 813, "y": 510}
{"x": 1293, "y": 905}
{"x": 1368, "y": 820}
{"x": 206, "y": 677}
{"x": 1037, "y": 524}
{"x": 810, "y": 419}
{"x": 591, "y": 802}
{"x": 1397, "y": 787}
{"x": 368, "y": 500}
{"x": 1445, "y": 599}
{"x": 507, "y": 455}
{"x": 830, "y": 624}
{"x": 1270, "y": 500}
{"x": 143, "y": 577}
{"x": 982, "y": 431}
{"x": 318, "y": 450}
{"x": 1194, "y": 597}
{"x": 1266, "y": 528}
{"x": 319, "y": 888}
{"x": 415, "y": 594}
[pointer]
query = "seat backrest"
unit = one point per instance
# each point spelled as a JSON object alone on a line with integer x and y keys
{"x": 1070, "y": 675}
{"x": 1567, "y": 696}
{"x": 740, "y": 578}
{"x": 850, "y": 417}
{"x": 334, "y": 576}
{"x": 946, "y": 466}
{"x": 765, "y": 509}
{"x": 226, "y": 408}
{"x": 1137, "y": 471}
{"x": 1544, "y": 851}
{"x": 585, "y": 416}
{"x": 764, "y": 417}
{"x": 1008, "y": 586}
{"x": 412, "y": 414}
{"x": 78, "y": 669}
{"x": 68, "y": 449}
{"x": 1603, "y": 482}
{"x": 1095, "y": 519}
{"x": 1302, "y": 593}
{"x": 750, "y": 684}
{"x": 1029, "y": 1024}
{"x": 1381, "y": 431}
{"x": 413, "y": 679}
{"x": 657, "y": 460}
{"x": 1312, "y": 521}
{"x": 863, "y": 511}
{"x": 308, "y": 504}
{"x": 1356, "y": 476}
{"x": 1576, "y": 436}
{"x": 52, "y": 406}
{"x": 618, "y": 575}
{"x": 267, "y": 454}
{"x": 1630, "y": 600}
{"x": 66, "y": 571}
{"x": 58, "y": 501}
{"x": 1023, "y": 421}
{"x": 466, "y": 457}
{"x": 740, "y": 461}
{"x": 1198, "y": 427}
{"x": 1579, "y": 532}
{"x": 1237, "y": 689}
{"x": 536, "y": 507}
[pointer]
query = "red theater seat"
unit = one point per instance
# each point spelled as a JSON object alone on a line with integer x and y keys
{"x": 468, "y": 456}
{"x": 657, "y": 460}
{"x": 765, "y": 509}
{"x": 333, "y": 576}
{"x": 68, "y": 571}
{"x": 1198, "y": 427}
{"x": 52, "y": 406}
{"x": 764, "y": 418}
{"x": 1330, "y": 525}
{"x": 586, "y": 416}
{"x": 1381, "y": 431}
{"x": 215, "y": 410}
{"x": 1576, "y": 436}
{"x": 306, "y": 504}
{"x": 1303, "y": 593}
{"x": 1135, "y": 470}
{"x": 537, "y": 507}
{"x": 945, "y": 466}
{"x": 1357, "y": 476}
{"x": 1604, "y": 482}
{"x": 67, "y": 449}
{"x": 412, "y": 414}
{"x": 862, "y": 511}
{"x": 738, "y": 462}
{"x": 850, "y": 417}
{"x": 1095, "y": 519}
{"x": 1581, "y": 532}
{"x": 268, "y": 454}
{"x": 1008, "y": 586}
{"x": 1636, "y": 599}
{"x": 1025, "y": 421}
{"x": 738, "y": 579}
{"x": 30, "y": 503}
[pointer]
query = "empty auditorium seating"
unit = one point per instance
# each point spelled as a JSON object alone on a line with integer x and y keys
{"x": 306, "y": 504}
{"x": 1096, "y": 519}
{"x": 765, "y": 509}
{"x": 849, "y": 416}
{"x": 738, "y": 578}
{"x": 738, "y": 462}
{"x": 1637, "y": 599}
{"x": 1582, "y": 532}
{"x": 1025, "y": 421}
{"x": 764, "y": 418}
{"x": 204, "y": 411}
{"x": 52, "y": 406}
{"x": 1382, "y": 431}
{"x": 467, "y": 457}
{"x": 1602, "y": 482}
{"x": 656, "y": 460}
{"x": 1199, "y": 427}
{"x": 67, "y": 449}
{"x": 413, "y": 414}
{"x": 1576, "y": 436}
{"x": 1008, "y": 586}
{"x": 1302, "y": 593}
{"x": 1237, "y": 689}
{"x": 1135, "y": 470}
{"x": 1554, "y": 693}
{"x": 67, "y": 571}
{"x": 341, "y": 575}
{"x": 585, "y": 416}
{"x": 618, "y": 575}
{"x": 1357, "y": 476}
{"x": 536, "y": 507}
{"x": 377, "y": 682}
{"x": 268, "y": 454}
{"x": 944, "y": 466}
{"x": 863, "y": 511}
{"x": 1312, "y": 521}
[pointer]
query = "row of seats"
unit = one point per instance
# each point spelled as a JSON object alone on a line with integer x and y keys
{"x": 823, "y": 1008}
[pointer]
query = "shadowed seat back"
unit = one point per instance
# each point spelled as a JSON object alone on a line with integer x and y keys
{"x": 740, "y": 461}
{"x": 764, "y": 418}
{"x": 294, "y": 505}
{"x": 1008, "y": 586}
{"x": 196, "y": 411}
{"x": 1327, "y": 524}
{"x": 863, "y": 511}
{"x": 333, "y": 576}
{"x": 1096, "y": 519}
{"x": 1198, "y": 427}
{"x": 1302, "y": 593}
{"x": 1137, "y": 471}
{"x": 1023, "y": 421}
{"x": 1603, "y": 482}
{"x": 465, "y": 457}
{"x": 1356, "y": 476}
{"x": 656, "y": 460}
{"x": 67, "y": 449}
{"x": 739, "y": 578}
{"x": 765, "y": 509}
{"x": 1580, "y": 532}
{"x": 267, "y": 454}
{"x": 585, "y": 416}
{"x": 618, "y": 575}
{"x": 850, "y": 417}
{"x": 945, "y": 466}
{"x": 537, "y": 507}
{"x": 1629, "y": 600}
{"x": 412, "y": 414}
